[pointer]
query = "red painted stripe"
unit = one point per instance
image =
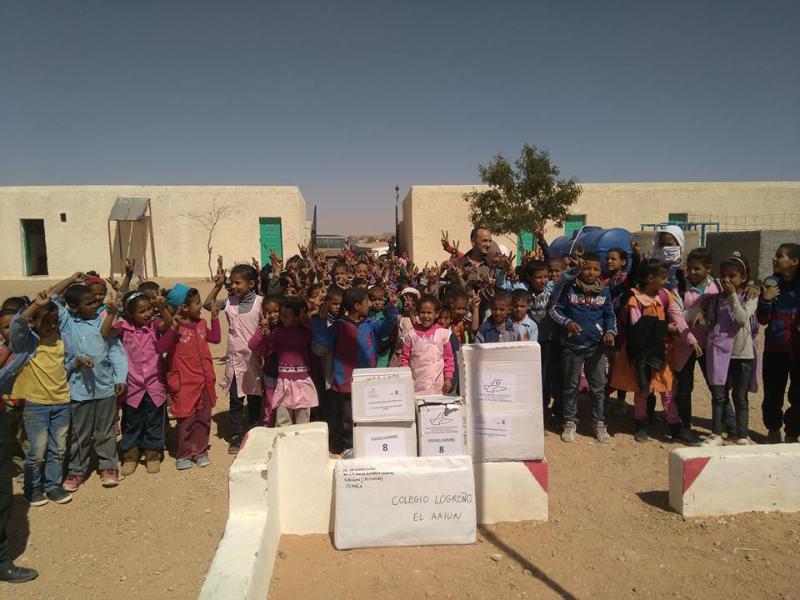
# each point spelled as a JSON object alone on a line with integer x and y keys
{"x": 539, "y": 470}
{"x": 692, "y": 467}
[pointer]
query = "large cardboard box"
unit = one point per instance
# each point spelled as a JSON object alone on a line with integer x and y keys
{"x": 502, "y": 387}
{"x": 442, "y": 426}
{"x": 383, "y": 395}
{"x": 404, "y": 502}
{"x": 385, "y": 440}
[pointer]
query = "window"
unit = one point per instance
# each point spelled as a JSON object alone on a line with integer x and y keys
{"x": 63, "y": 217}
{"x": 678, "y": 217}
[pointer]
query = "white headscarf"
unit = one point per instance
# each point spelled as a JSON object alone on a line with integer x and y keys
{"x": 671, "y": 255}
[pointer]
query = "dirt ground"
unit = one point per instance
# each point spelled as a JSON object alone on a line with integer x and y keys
{"x": 610, "y": 535}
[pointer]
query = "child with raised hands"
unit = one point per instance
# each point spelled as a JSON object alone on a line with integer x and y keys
{"x": 353, "y": 341}
{"x": 242, "y": 378}
{"x": 95, "y": 387}
{"x": 190, "y": 374}
{"x": 41, "y": 363}
{"x": 143, "y": 401}
{"x": 295, "y": 394}
{"x": 427, "y": 351}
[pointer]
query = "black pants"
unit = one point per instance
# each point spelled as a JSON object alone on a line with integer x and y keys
{"x": 778, "y": 369}
{"x": 736, "y": 388}
{"x": 143, "y": 426}
{"x": 6, "y": 488}
{"x": 552, "y": 375}
{"x": 340, "y": 421}
{"x": 241, "y": 423}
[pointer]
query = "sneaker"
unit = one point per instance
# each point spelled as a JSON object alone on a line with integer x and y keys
{"x": 600, "y": 433}
{"x": 37, "y": 499}
{"x": 109, "y": 478}
{"x": 73, "y": 482}
{"x": 791, "y": 439}
{"x": 183, "y": 463}
{"x": 58, "y": 495}
{"x": 774, "y": 437}
{"x": 640, "y": 433}
{"x": 568, "y": 433}
{"x": 347, "y": 454}
{"x": 713, "y": 440}
{"x": 745, "y": 442}
{"x": 202, "y": 461}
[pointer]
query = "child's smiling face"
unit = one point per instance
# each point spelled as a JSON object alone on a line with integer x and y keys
{"x": 519, "y": 308}
{"x": 272, "y": 312}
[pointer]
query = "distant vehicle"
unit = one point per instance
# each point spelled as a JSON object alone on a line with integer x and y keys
{"x": 333, "y": 245}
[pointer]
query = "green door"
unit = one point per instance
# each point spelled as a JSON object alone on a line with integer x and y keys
{"x": 525, "y": 243}
{"x": 271, "y": 237}
{"x": 574, "y": 223}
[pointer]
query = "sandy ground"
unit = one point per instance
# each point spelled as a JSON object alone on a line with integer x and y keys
{"x": 610, "y": 535}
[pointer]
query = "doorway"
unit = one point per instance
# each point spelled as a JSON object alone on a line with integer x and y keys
{"x": 271, "y": 237}
{"x": 34, "y": 247}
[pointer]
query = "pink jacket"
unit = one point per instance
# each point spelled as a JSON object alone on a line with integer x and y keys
{"x": 242, "y": 364}
{"x": 681, "y": 349}
{"x": 429, "y": 354}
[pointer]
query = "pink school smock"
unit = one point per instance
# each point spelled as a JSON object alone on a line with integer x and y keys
{"x": 430, "y": 356}
{"x": 242, "y": 364}
{"x": 190, "y": 373}
{"x": 144, "y": 346}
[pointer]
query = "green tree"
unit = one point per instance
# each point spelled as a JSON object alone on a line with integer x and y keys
{"x": 523, "y": 196}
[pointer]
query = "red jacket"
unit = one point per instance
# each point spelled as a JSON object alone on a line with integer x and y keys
{"x": 190, "y": 370}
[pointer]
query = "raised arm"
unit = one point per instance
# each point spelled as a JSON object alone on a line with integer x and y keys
{"x": 59, "y": 288}
{"x": 219, "y": 283}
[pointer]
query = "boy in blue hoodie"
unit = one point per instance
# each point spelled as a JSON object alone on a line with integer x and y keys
{"x": 353, "y": 340}
{"x": 586, "y": 316}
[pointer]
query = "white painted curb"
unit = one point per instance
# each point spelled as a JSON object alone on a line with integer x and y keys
{"x": 727, "y": 480}
{"x": 511, "y": 491}
{"x": 282, "y": 482}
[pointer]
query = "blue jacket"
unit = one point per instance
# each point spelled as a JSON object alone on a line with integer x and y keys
{"x": 594, "y": 313}
{"x": 82, "y": 338}
{"x": 354, "y": 346}
{"x": 24, "y": 342}
{"x": 489, "y": 332}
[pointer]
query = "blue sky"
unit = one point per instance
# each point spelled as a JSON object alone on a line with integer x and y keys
{"x": 347, "y": 99}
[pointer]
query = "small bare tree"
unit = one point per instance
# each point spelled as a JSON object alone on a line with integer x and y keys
{"x": 209, "y": 221}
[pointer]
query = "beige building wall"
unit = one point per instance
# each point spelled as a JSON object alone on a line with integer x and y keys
{"x": 81, "y": 243}
{"x": 429, "y": 209}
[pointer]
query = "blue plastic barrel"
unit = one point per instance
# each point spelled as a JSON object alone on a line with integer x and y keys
{"x": 594, "y": 239}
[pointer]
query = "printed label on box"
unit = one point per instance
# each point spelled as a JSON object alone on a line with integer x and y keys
{"x": 497, "y": 387}
{"x": 384, "y": 400}
{"x": 442, "y": 431}
{"x": 494, "y": 426}
{"x": 386, "y": 444}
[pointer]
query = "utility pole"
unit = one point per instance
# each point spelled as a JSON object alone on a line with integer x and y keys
{"x": 396, "y": 220}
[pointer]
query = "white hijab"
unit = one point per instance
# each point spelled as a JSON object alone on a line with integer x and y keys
{"x": 671, "y": 255}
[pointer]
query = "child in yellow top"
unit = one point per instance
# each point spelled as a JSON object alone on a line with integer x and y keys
{"x": 42, "y": 383}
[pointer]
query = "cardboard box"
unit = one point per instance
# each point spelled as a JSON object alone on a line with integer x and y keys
{"x": 383, "y": 395}
{"x": 385, "y": 440}
{"x": 502, "y": 387}
{"x": 404, "y": 502}
{"x": 442, "y": 426}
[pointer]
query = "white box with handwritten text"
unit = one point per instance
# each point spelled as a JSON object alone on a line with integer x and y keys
{"x": 502, "y": 387}
{"x": 383, "y": 395}
{"x": 441, "y": 426}
{"x": 404, "y": 502}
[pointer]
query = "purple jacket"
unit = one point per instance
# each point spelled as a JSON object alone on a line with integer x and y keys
{"x": 719, "y": 343}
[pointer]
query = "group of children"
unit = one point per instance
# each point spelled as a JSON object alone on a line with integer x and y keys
{"x": 75, "y": 356}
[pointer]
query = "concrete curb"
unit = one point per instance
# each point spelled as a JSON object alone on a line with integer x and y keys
{"x": 282, "y": 482}
{"x": 727, "y": 480}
